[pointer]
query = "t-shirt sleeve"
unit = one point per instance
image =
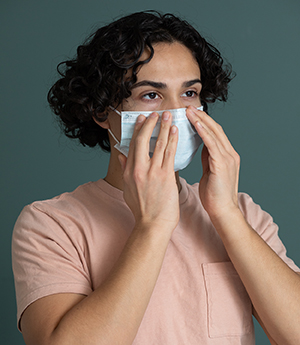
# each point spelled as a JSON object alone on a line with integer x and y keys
{"x": 264, "y": 225}
{"x": 47, "y": 259}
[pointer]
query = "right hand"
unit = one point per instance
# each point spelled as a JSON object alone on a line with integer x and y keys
{"x": 150, "y": 188}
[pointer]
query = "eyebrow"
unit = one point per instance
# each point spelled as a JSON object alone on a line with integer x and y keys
{"x": 191, "y": 82}
{"x": 159, "y": 85}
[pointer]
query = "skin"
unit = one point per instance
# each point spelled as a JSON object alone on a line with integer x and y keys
{"x": 113, "y": 312}
{"x": 171, "y": 73}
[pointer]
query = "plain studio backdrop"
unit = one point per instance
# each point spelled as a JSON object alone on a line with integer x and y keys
{"x": 260, "y": 38}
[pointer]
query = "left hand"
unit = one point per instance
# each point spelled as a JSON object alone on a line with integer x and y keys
{"x": 218, "y": 188}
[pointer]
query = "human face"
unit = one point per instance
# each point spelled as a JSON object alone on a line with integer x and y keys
{"x": 171, "y": 80}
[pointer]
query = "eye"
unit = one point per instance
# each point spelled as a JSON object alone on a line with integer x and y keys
{"x": 190, "y": 93}
{"x": 150, "y": 95}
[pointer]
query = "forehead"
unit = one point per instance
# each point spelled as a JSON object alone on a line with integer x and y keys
{"x": 171, "y": 61}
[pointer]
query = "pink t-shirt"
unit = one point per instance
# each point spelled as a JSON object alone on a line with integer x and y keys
{"x": 70, "y": 243}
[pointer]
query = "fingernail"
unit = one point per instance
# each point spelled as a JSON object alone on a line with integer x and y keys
{"x": 140, "y": 119}
{"x": 198, "y": 124}
{"x": 154, "y": 115}
{"x": 173, "y": 129}
{"x": 165, "y": 116}
{"x": 191, "y": 109}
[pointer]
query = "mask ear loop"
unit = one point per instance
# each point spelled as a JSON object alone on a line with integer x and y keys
{"x": 109, "y": 130}
{"x": 115, "y": 110}
{"x": 111, "y": 133}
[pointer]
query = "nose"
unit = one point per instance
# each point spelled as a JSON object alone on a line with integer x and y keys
{"x": 174, "y": 103}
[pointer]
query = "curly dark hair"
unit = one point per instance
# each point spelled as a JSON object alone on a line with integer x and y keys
{"x": 96, "y": 78}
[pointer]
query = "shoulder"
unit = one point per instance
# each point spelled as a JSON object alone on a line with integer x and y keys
{"x": 77, "y": 213}
{"x": 63, "y": 204}
{"x": 55, "y": 217}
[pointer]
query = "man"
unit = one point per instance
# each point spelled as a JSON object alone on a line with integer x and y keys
{"x": 141, "y": 257}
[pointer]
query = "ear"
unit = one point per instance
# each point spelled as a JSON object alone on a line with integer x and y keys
{"x": 104, "y": 124}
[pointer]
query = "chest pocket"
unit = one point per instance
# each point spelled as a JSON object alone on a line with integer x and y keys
{"x": 229, "y": 309}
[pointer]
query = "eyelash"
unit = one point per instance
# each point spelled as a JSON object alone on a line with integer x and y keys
{"x": 150, "y": 93}
{"x": 195, "y": 94}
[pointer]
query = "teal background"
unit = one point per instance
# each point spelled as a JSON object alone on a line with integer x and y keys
{"x": 259, "y": 37}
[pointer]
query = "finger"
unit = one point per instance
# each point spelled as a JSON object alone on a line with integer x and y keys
{"x": 142, "y": 139}
{"x": 213, "y": 147}
{"x": 204, "y": 131}
{"x": 204, "y": 160}
{"x": 213, "y": 160}
{"x": 138, "y": 125}
{"x": 170, "y": 150}
{"x": 216, "y": 140}
{"x": 122, "y": 160}
{"x": 162, "y": 139}
{"x": 211, "y": 126}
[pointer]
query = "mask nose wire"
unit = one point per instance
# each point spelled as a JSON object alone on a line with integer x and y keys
{"x": 117, "y": 111}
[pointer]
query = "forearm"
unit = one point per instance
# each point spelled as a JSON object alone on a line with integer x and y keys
{"x": 112, "y": 313}
{"x": 272, "y": 286}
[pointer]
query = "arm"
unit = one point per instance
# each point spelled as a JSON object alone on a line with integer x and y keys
{"x": 273, "y": 287}
{"x": 263, "y": 327}
{"x": 113, "y": 312}
{"x": 109, "y": 315}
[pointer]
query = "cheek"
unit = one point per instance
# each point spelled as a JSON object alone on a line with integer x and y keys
{"x": 128, "y": 103}
{"x": 196, "y": 102}
{"x": 135, "y": 103}
{"x": 115, "y": 124}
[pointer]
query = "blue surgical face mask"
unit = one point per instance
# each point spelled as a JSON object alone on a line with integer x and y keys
{"x": 188, "y": 139}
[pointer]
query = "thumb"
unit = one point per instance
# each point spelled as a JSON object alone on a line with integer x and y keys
{"x": 204, "y": 159}
{"x": 123, "y": 161}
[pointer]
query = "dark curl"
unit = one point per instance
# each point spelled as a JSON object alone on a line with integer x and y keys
{"x": 97, "y": 77}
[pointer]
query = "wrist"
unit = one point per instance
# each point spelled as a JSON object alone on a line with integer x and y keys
{"x": 230, "y": 224}
{"x": 162, "y": 231}
{"x": 224, "y": 214}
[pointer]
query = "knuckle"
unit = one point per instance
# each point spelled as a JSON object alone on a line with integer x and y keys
{"x": 138, "y": 140}
{"x": 164, "y": 125}
{"x": 160, "y": 143}
{"x": 137, "y": 174}
{"x": 170, "y": 152}
{"x": 220, "y": 128}
{"x": 233, "y": 160}
{"x": 153, "y": 173}
{"x": 126, "y": 176}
